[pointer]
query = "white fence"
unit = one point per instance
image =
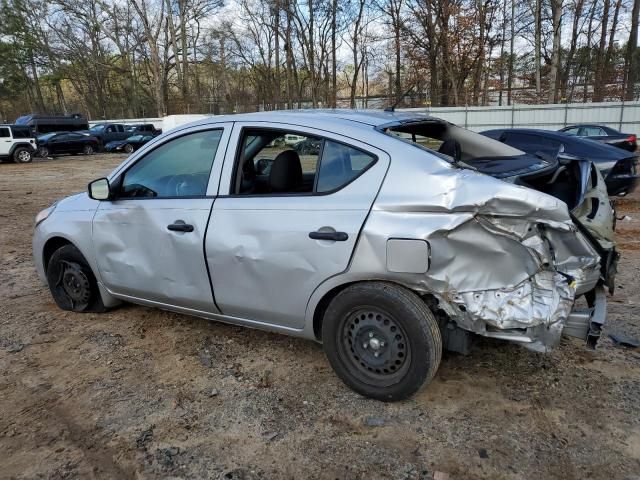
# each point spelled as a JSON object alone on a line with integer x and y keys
{"x": 157, "y": 122}
{"x": 624, "y": 116}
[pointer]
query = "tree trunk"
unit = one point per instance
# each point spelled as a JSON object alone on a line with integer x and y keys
{"x": 182, "y": 11}
{"x": 511, "y": 52}
{"x": 568, "y": 64}
{"x": 334, "y": 67}
{"x": 538, "y": 47}
{"x": 631, "y": 58}
{"x": 174, "y": 45}
{"x": 398, "y": 46}
{"x": 585, "y": 88}
{"x": 598, "y": 87}
{"x": 276, "y": 28}
{"x": 556, "y": 14}
{"x": 502, "y": 40}
{"x": 39, "y": 99}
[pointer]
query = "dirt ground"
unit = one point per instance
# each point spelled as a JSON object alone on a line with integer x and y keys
{"x": 142, "y": 393}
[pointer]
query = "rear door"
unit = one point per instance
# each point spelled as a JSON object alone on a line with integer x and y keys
{"x": 594, "y": 133}
{"x": 272, "y": 241}
{"x": 75, "y": 142}
{"x": 149, "y": 240}
{"x": 5, "y": 141}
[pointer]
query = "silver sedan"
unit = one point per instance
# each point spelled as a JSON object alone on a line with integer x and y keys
{"x": 396, "y": 236}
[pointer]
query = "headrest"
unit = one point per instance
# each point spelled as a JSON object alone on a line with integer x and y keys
{"x": 286, "y": 172}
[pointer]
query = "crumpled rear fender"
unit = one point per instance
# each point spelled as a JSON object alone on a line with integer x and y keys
{"x": 502, "y": 258}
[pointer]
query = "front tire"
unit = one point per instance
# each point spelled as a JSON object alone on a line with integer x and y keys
{"x": 22, "y": 155}
{"x": 382, "y": 340}
{"x": 128, "y": 148}
{"x": 87, "y": 150}
{"x": 43, "y": 152}
{"x": 72, "y": 283}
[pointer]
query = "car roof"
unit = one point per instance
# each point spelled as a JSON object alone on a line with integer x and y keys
{"x": 353, "y": 118}
{"x": 536, "y": 131}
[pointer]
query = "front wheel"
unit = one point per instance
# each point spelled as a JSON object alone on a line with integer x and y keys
{"x": 382, "y": 340}
{"x": 87, "y": 150}
{"x": 22, "y": 155}
{"x": 128, "y": 148}
{"x": 72, "y": 283}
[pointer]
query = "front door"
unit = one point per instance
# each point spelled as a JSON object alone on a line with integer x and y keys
{"x": 58, "y": 144}
{"x": 291, "y": 219}
{"x": 149, "y": 241}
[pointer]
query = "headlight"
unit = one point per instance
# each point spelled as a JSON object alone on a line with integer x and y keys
{"x": 44, "y": 214}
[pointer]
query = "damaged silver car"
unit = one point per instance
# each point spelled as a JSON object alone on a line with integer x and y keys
{"x": 396, "y": 236}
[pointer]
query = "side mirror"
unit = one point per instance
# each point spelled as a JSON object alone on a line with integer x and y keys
{"x": 100, "y": 189}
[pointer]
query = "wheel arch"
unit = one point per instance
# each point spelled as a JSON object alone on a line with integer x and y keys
{"x": 15, "y": 146}
{"x": 56, "y": 242}
{"x": 322, "y": 304}
{"x": 53, "y": 244}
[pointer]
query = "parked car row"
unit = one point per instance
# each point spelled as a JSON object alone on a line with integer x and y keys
{"x": 617, "y": 165}
{"x": 106, "y": 133}
{"x": 377, "y": 234}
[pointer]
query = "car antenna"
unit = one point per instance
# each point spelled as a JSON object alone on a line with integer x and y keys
{"x": 392, "y": 108}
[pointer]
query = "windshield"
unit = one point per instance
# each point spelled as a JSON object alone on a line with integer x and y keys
{"x": 46, "y": 136}
{"x": 96, "y": 128}
{"x": 134, "y": 138}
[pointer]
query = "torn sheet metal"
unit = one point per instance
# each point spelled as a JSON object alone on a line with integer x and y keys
{"x": 505, "y": 261}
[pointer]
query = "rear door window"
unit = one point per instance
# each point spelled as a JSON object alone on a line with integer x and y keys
{"x": 4, "y": 132}
{"x": 280, "y": 162}
{"x": 593, "y": 132}
{"x": 340, "y": 164}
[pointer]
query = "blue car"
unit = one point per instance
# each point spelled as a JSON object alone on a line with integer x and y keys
{"x": 129, "y": 145}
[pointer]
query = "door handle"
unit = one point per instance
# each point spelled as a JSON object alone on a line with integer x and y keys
{"x": 180, "y": 227}
{"x": 335, "y": 236}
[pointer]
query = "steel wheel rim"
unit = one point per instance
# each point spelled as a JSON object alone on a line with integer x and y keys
{"x": 374, "y": 346}
{"x": 74, "y": 283}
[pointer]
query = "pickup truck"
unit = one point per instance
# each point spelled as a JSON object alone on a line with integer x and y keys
{"x": 143, "y": 129}
{"x": 108, "y": 132}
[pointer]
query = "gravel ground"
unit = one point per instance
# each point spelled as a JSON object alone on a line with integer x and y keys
{"x": 143, "y": 393}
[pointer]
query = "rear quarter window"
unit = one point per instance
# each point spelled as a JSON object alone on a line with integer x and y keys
{"x": 340, "y": 164}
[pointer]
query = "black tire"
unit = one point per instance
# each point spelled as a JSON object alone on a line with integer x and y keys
{"x": 128, "y": 148}
{"x": 88, "y": 150}
{"x": 43, "y": 152}
{"x": 407, "y": 340}
{"x": 22, "y": 155}
{"x": 72, "y": 283}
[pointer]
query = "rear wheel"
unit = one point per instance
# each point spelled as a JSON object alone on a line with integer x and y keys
{"x": 382, "y": 340}
{"x": 22, "y": 155}
{"x": 72, "y": 283}
{"x": 87, "y": 150}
